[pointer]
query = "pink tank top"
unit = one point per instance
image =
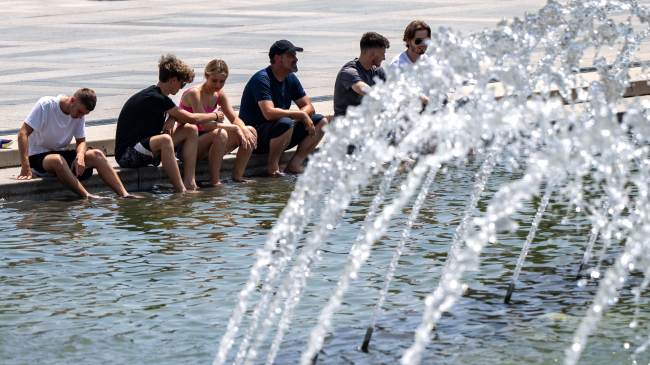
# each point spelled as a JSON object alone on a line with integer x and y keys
{"x": 189, "y": 108}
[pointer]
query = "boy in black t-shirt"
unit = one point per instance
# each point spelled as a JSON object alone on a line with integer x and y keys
{"x": 138, "y": 138}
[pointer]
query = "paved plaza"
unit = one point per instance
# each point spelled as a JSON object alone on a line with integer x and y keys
{"x": 53, "y": 47}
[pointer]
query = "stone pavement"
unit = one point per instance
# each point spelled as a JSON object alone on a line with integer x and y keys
{"x": 53, "y": 47}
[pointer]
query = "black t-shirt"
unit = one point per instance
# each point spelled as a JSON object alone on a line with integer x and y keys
{"x": 141, "y": 117}
{"x": 351, "y": 73}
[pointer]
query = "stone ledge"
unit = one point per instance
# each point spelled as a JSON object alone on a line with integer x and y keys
{"x": 133, "y": 179}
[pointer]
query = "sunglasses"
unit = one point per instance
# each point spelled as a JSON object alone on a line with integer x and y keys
{"x": 418, "y": 41}
{"x": 183, "y": 84}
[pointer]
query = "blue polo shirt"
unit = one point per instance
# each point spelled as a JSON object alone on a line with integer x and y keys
{"x": 264, "y": 86}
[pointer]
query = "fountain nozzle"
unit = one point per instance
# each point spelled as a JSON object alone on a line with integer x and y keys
{"x": 366, "y": 340}
{"x": 511, "y": 288}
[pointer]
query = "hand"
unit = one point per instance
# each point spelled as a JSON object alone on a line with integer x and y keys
{"x": 78, "y": 165}
{"x": 168, "y": 127}
{"x": 219, "y": 113}
{"x": 309, "y": 125}
{"x": 250, "y": 138}
{"x": 25, "y": 173}
{"x": 243, "y": 142}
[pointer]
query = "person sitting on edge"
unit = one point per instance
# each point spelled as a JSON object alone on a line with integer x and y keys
{"x": 415, "y": 36}
{"x": 138, "y": 138}
{"x": 265, "y": 105}
{"x": 357, "y": 76}
{"x": 49, "y": 129}
{"x": 215, "y": 140}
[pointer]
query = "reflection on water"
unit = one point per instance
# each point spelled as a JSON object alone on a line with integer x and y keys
{"x": 155, "y": 280}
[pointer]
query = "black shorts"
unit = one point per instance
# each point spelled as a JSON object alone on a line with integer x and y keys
{"x": 138, "y": 155}
{"x": 268, "y": 130}
{"x": 36, "y": 163}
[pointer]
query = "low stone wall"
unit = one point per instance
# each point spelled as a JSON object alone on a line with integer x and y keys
{"x": 133, "y": 179}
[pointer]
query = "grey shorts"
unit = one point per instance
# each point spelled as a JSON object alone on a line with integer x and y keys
{"x": 138, "y": 155}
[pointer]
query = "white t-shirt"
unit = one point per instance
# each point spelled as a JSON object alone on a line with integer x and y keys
{"x": 402, "y": 60}
{"x": 53, "y": 129}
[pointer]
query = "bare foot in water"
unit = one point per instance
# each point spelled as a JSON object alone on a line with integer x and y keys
{"x": 191, "y": 186}
{"x": 97, "y": 197}
{"x": 131, "y": 196}
{"x": 294, "y": 171}
{"x": 275, "y": 173}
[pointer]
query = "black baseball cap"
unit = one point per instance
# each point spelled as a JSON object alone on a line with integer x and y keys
{"x": 281, "y": 47}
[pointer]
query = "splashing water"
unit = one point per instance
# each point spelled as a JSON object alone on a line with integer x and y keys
{"x": 531, "y": 235}
{"x": 546, "y": 117}
{"x": 398, "y": 253}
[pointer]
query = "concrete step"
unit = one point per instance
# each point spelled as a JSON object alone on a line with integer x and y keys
{"x": 133, "y": 179}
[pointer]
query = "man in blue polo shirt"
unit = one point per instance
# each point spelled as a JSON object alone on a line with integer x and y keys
{"x": 265, "y": 105}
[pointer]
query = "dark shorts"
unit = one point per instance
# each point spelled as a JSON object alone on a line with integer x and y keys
{"x": 179, "y": 148}
{"x": 138, "y": 155}
{"x": 36, "y": 163}
{"x": 275, "y": 128}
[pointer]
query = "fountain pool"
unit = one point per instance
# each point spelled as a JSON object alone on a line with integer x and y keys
{"x": 559, "y": 183}
{"x": 154, "y": 281}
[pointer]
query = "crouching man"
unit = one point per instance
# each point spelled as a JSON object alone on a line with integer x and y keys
{"x": 49, "y": 129}
{"x": 265, "y": 105}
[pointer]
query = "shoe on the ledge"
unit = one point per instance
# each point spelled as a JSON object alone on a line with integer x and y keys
{"x": 5, "y": 143}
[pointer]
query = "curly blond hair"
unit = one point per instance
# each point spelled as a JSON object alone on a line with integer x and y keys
{"x": 169, "y": 67}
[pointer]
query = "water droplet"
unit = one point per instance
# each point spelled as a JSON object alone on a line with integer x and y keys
{"x": 576, "y": 347}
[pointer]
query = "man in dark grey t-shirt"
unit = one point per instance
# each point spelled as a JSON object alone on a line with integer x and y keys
{"x": 357, "y": 76}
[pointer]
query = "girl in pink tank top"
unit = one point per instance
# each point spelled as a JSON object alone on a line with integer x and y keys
{"x": 189, "y": 108}
{"x": 218, "y": 139}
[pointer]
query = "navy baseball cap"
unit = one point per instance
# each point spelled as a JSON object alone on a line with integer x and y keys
{"x": 281, "y": 47}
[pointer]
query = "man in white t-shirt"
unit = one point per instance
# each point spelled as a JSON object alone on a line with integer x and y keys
{"x": 49, "y": 129}
{"x": 415, "y": 36}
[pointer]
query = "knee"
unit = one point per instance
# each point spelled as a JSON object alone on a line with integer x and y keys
{"x": 286, "y": 125}
{"x": 166, "y": 141}
{"x": 58, "y": 163}
{"x": 192, "y": 128}
{"x": 285, "y": 122}
{"x": 252, "y": 130}
{"x": 189, "y": 130}
{"x": 322, "y": 123}
{"x": 220, "y": 136}
{"x": 96, "y": 155}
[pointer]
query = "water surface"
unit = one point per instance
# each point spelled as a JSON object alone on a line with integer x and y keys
{"x": 154, "y": 281}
